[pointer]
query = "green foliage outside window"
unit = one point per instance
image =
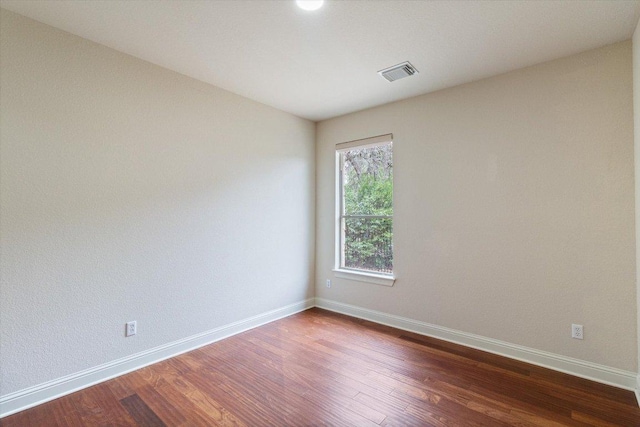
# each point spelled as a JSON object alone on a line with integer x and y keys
{"x": 368, "y": 209}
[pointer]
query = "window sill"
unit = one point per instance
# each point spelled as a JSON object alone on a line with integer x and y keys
{"x": 359, "y": 276}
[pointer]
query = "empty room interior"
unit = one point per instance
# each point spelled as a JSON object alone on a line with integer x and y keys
{"x": 296, "y": 213}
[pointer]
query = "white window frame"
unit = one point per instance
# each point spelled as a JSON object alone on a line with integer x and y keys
{"x": 339, "y": 270}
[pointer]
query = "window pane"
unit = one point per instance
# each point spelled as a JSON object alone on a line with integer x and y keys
{"x": 368, "y": 181}
{"x": 368, "y": 244}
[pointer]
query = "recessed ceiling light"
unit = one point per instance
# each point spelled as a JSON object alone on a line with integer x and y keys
{"x": 309, "y": 4}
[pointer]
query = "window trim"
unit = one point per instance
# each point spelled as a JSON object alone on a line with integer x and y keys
{"x": 364, "y": 276}
{"x": 339, "y": 271}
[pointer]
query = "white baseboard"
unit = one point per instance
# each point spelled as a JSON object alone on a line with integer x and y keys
{"x": 637, "y": 390}
{"x": 41, "y": 393}
{"x": 580, "y": 368}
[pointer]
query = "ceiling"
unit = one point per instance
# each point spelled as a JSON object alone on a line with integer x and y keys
{"x": 323, "y": 64}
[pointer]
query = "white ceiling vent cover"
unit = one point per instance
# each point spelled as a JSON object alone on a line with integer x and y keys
{"x": 398, "y": 72}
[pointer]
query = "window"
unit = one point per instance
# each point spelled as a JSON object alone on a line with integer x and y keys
{"x": 365, "y": 210}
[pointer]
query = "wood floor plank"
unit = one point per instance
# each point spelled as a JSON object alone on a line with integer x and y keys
{"x": 591, "y": 420}
{"x": 164, "y": 409}
{"x": 97, "y": 405}
{"x": 65, "y": 413}
{"x": 140, "y": 412}
{"x": 113, "y": 409}
{"x": 198, "y": 407}
{"x": 321, "y": 368}
{"x": 41, "y": 416}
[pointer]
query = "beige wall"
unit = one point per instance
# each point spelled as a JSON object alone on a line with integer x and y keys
{"x": 514, "y": 207}
{"x": 130, "y": 192}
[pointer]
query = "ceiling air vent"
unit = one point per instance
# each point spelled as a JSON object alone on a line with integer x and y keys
{"x": 398, "y": 72}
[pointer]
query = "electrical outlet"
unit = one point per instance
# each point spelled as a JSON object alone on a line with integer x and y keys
{"x": 328, "y": 283}
{"x": 131, "y": 329}
{"x": 577, "y": 331}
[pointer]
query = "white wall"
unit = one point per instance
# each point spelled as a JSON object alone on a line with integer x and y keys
{"x": 514, "y": 207}
{"x": 130, "y": 192}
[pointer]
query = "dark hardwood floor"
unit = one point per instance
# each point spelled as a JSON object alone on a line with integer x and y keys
{"x": 322, "y": 368}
